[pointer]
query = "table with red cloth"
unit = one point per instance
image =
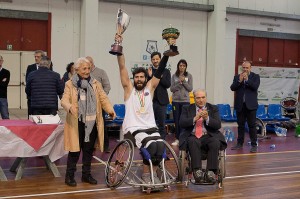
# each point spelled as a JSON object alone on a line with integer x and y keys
{"x": 23, "y": 139}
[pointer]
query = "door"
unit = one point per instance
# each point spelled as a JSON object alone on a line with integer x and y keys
{"x": 16, "y": 62}
{"x": 17, "y": 45}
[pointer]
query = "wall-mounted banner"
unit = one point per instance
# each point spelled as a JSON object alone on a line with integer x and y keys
{"x": 277, "y": 83}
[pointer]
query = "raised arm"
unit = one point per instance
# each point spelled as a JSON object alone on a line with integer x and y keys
{"x": 158, "y": 74}
{"x": 125, "y": 81}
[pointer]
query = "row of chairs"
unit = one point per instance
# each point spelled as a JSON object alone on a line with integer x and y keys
{"x": 273, "y": 112}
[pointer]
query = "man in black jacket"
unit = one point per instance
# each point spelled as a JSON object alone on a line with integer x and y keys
{"x": 160, "y": 98}
{"x": 201, "y": 123}
{"x": 245, "y": 86}
{"x": 30, "y": 68}
{"x": 43, "y": 86}
{"x": 4, "y": 80}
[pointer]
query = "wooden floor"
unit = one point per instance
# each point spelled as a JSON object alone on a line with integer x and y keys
{"x": 270, "y": 173}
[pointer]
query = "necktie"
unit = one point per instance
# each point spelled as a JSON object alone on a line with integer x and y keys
{"x": 198, "y": 132}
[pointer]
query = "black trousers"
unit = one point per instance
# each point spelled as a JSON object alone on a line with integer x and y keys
{"x": 156, "y": 150}
{"x": 87, "y": 149}
{"x": 160, "y": 117}
{"x": 204, "y": 145}
{"x": 29, "y": 108}
{"x": 44, "y": 111}
{"x": 106, "y": 138}
{"x": 250, "y": 117}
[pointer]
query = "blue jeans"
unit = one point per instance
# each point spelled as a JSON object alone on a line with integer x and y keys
{"x": 4, "y": 108}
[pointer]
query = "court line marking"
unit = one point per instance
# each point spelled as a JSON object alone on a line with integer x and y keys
{"x": 262, "y": 174}
{"x": 265, "y": 153}
{"x": 61, "y": 193}
{"x": 232, "y": 155}
{"x": 127, "y": 187}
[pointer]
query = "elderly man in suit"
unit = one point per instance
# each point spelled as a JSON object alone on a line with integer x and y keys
{"x": 245, "y": 86}
{"x": 201, "y": 123}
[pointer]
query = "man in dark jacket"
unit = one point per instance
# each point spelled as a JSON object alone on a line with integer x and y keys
{"x": 30, "y": 68}
{"x": 43, "y": 86}
{"x": 201, "y": 123}
{"x": 245, "y": 86}
{"x": 160, "y": 98}
{"x": 4, "y": 80}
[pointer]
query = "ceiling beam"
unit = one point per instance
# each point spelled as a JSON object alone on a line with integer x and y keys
{"x": 276, "y": 15}
{"x": 166, "y": 4}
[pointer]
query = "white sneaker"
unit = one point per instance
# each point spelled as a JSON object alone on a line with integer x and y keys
{"x": 175, "y": 143}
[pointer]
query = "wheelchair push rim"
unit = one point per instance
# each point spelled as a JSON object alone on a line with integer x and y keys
{"x": 119, "y": 164}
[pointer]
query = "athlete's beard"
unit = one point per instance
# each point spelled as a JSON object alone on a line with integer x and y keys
{"x": 139, "y": 87}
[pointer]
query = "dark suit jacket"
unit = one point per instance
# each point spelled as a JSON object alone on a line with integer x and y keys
{"x": 30, "y": 68}
{"x": 161, "y": 93}
{"x": 214, "y": 124}
{"x": 248, "y": 88}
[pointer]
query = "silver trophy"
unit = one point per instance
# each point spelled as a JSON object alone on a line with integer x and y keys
{"x": 123, "y": 20}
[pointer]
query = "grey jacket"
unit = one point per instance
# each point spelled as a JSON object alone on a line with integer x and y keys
{"x": 101, "y": 76}
{"x": 180, "y": 92}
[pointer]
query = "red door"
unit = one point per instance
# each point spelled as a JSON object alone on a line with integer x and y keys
{"x": 10, "y": 34}
{"x": 24, "y": 34}
{"x": 244, "y": 49}
{"x": 290, "y": 53}
{"x": 260, "y": 51}
{"x": 275, "y": 55}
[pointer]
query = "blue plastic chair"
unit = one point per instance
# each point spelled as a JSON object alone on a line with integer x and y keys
{"x": 274, "y": 113}
{"x": 169, "y": 112}
{"x": 261, "y": 113}
{"x": 225, "y": 113}
{"x": 120, "y": 113}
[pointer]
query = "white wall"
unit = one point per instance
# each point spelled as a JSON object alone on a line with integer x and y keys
{"x": 147, "y": 23}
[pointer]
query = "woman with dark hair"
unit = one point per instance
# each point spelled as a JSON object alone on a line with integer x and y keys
{"x": 181, "y": 85}
{"x": 70, "y": 70}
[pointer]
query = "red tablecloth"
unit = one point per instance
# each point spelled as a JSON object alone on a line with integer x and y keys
{"x": 35, "y": 135}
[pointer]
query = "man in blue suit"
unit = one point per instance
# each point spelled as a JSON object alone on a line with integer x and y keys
{"x": 245, "y": 86}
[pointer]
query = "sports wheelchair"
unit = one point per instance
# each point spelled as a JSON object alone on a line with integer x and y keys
{"x": 120, "y": 168}
{"x": 186, "y": 168}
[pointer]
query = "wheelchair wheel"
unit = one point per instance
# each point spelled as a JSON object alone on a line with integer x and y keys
{"x": 119, "y": 163}
{"x": 173, "y": 173}
{"x": 260, "y": 128}
{"x": 222, "y": 169}
{"x": 182, "y": 164}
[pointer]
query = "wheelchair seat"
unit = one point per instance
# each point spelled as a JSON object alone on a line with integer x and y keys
{"x": 186, "y": 169}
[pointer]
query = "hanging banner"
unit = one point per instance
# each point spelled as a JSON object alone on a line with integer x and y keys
{"x": 277, "y": 83}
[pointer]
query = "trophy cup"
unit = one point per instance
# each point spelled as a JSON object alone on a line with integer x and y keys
{"x": 122, "y": 23}
{"x": 171, "y": 34}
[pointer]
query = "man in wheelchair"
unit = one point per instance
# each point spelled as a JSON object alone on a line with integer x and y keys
{"x": 201, "y": 123}
{"x": 139, "y": 116}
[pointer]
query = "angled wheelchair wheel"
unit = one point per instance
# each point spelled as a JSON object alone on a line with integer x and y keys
{"x": 260, "y": 128}
{"x": 119, "y": 163}
{"x": 182, "y": 165}
{"x": 172, "y": 167}
{"x": 222, "y": 169}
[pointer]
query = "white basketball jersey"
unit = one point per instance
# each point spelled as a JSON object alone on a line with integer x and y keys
{"x": 136, "y": 117}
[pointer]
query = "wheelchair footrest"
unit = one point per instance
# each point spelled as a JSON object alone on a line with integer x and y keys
{"x": 203, "y": 183}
